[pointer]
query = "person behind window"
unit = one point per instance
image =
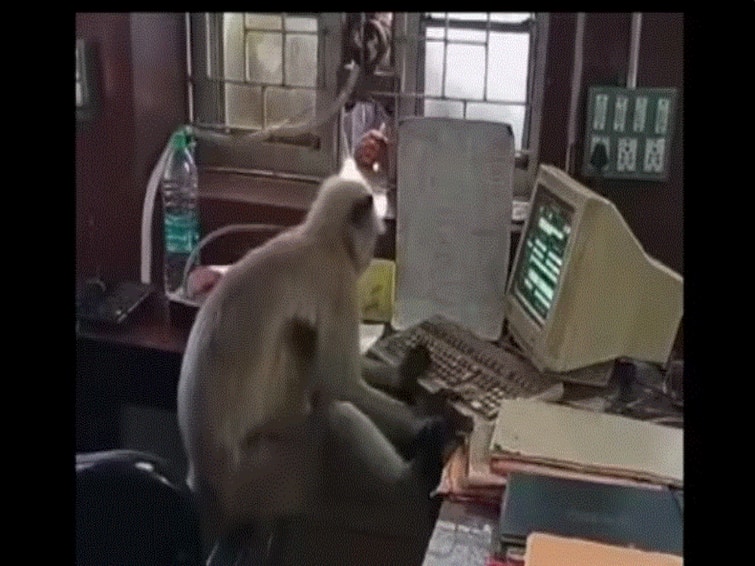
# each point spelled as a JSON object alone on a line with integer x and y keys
{"x": 367, "y": 129}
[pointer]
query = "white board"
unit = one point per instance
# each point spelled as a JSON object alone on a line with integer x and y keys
{"x": 453, "y": 223}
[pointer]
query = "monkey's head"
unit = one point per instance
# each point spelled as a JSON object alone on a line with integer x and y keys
{"x": 344, "y": 215}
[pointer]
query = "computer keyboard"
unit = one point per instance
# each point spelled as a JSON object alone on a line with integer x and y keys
{"x": 474, "y": 373}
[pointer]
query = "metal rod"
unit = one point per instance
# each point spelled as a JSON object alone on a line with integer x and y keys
{"x": 189, "y": 67}
{"x": 634, "y": 50}
{"x": 445, "y": 57}
{"x": 266, "y": 173}
{"x": 452, "y": 98}
{"x": 576, "y": 85}
{"x": 260, "y": 84}
{"x": 523, "y": 26}
{"x": 457, "y": 41}
{"x": 487, "y": 59}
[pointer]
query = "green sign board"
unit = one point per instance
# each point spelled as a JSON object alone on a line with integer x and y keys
{"x": 628, "y": 132}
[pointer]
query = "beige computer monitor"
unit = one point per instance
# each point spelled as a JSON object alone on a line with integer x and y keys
{"x": 583, "y": 290}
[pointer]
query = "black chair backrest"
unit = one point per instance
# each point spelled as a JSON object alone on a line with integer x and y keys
{"x": 131, "y": 509}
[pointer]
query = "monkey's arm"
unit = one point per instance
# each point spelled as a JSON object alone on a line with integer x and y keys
{"x": 401, "y": 380}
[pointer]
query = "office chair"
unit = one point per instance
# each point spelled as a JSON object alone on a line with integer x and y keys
{"x": 131, "y": 509}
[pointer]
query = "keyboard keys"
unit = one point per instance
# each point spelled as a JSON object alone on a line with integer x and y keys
{"x": 475, "y": 373}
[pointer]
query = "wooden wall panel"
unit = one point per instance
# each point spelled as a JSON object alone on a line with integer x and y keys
{"x": 142, "y": 70}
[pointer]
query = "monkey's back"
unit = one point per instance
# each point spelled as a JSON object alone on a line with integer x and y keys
{"x": 239, "y": 368}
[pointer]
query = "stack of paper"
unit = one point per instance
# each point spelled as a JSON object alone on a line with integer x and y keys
{"x": 479, "y": 472}
{"x": 537, "y": 436}
{"x": 467, "y": 475}
{"x": 455, "y": 483}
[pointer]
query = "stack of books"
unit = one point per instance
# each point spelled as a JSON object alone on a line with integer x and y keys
{"x": 538, "y": 437}
{"x": 573, "y": 472}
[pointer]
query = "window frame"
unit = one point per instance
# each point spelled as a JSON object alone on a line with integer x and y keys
{"x": 235, "y": 154}
{"x": 526, "y": 158}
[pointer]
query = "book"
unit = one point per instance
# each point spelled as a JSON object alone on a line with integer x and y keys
{"x": 488, "y": 471}
{"x": 550, "y": 550}
{"x": 647, "y": 519}
{"x": 503, "y": 467}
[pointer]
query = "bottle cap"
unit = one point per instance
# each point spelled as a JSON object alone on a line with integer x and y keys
{"x": 180, "y": 139}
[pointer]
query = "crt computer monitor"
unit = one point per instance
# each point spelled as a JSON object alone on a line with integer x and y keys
{"x": 582, "y": 289}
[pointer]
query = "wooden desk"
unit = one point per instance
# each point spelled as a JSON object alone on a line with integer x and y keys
{"x": 155, "y": 325}
{"x": 137, "y": 362}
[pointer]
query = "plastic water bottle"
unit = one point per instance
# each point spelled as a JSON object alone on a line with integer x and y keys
{"x": 180, "y": 194}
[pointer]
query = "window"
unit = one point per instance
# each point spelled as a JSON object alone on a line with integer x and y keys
{"x": 270, "y": 67}
{"x": 476, "y": 65}
{"x": 251, "y": 71}
{"x": 481, "y": 65}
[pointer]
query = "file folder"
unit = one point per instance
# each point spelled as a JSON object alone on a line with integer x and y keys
{"x": 549, "y": 550}
{"x": 535, "y": 431}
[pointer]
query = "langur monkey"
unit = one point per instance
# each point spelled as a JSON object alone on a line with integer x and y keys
{"x": 273, "y": 360}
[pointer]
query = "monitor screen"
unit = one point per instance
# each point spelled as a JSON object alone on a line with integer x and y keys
{"x": 544, "y": 247}
{"x": 583, "y": 290}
